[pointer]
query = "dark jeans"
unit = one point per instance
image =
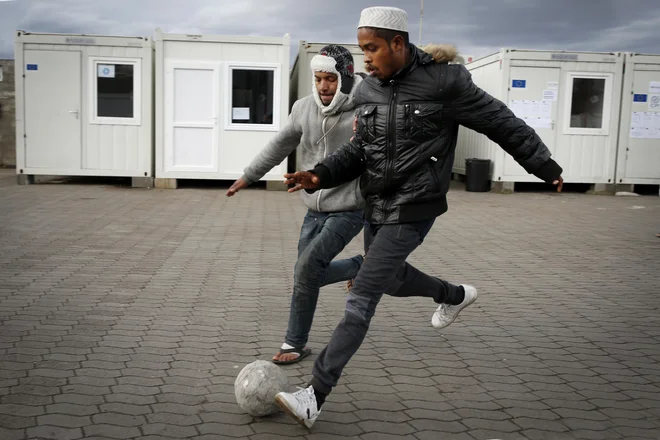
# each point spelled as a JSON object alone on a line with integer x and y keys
{"x": 384, "y": 271}
{"x": 322, "y": 237}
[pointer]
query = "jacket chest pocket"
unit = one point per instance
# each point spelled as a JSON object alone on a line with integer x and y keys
{"x": 367, "y": 123}
{"x": 422, "y": 120}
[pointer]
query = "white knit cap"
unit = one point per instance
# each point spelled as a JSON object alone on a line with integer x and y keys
{"x": 384, "y": 17}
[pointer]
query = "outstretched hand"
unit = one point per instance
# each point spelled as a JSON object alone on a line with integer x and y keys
{"x": 560, "y": 183}
{"x": 236, "y": 187}
{"x": 302, "y": 180}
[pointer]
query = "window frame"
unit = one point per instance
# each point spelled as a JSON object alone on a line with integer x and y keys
{"x": 607, "y": 104}
{"x": 229, "y": 67}
{"x": 93, "y": 88}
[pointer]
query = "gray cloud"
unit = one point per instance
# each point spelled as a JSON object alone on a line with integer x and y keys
{"x": 477, "y": 27}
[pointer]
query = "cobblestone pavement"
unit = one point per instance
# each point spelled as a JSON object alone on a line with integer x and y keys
{"x": 127, "y": 313}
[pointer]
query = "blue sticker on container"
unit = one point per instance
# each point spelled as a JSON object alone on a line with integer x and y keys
{"x": 639, "y": 98}
{"x": 519, "y": 83}
{"x": 31, "y": 67}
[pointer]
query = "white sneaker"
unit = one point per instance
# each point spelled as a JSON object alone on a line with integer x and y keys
{"x": 446, "y": 313}
{"x": 300, "y": 405}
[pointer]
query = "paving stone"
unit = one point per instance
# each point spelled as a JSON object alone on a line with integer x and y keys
{"x": 88, "y": 390}
{"x": 12, "y": 434}
{"x": 21, "y": 410}
{"x": 64, "y": 420}
{"x": 15, "y": 422}
{"x": 224, "y": 418}
{"x": 54, "y": 432}
{"x": 118, "y": 419}
{"x": 71, "y": 409}
{"x": 387, "y": 427}
{"x": 265, "y": 436}
{"x": 175, "y": 408}
{"x": 383, "y": 436}
{"x": 240, "y": 430}
{"x": 433, "y": 435}
{"x": 111, "y": 431}
{"x": 26, "y": 399}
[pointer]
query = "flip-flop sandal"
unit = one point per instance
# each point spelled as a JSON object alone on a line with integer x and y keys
{"x": 302, "y": 354}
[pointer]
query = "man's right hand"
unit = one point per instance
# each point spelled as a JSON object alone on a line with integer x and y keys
{"x": 236, "y": 187}
{"x": 302, "y": 180}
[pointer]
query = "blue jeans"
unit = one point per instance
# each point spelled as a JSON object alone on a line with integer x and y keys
{"x": 322, "y": 237}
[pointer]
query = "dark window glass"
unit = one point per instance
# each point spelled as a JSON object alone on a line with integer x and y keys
{"x": 587, "y": 103}
{"x": 115, "y": 90}
{"x": 252, "y": 96}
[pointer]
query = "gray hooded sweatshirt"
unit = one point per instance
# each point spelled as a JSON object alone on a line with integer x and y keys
{"x": 319, "y": 130}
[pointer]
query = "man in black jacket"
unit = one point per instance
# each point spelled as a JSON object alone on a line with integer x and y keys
{"x": 408, "y": 113}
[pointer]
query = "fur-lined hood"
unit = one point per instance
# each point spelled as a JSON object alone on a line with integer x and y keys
{"x": 441, "y": 52}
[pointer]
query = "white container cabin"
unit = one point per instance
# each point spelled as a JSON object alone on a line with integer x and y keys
{"x": 219, "y": 100}
{"x": 639, "y": 136}
{"x": 84, "y": 106}
{"x": 571, "y": 99}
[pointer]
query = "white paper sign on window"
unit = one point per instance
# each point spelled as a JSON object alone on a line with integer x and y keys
{"x": 654, "y": 87}
{"x": 240, "y": 113}
{"x": 106, "y": 71}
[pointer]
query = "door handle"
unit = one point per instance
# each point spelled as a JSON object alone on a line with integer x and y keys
{"x": 74, "y": 111}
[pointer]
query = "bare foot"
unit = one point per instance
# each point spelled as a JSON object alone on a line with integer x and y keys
{"x": 286, "y": 357}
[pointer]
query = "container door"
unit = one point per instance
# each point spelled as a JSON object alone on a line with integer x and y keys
{"x": 191, "y": 117}
{"x": 533, "y": 94}
{"x": 53, "y": 127}
{"x": 643, "y": 154}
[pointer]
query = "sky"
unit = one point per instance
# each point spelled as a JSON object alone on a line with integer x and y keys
{"x": 475, "y": 27}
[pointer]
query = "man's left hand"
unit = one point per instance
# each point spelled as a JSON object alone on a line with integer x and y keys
{"x": 560, "y": 183}
{"x": 302, "y": 180}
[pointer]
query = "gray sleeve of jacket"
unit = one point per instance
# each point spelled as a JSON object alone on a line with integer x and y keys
{"x": 477, "y": 110}
{"x": 279, "y": 147}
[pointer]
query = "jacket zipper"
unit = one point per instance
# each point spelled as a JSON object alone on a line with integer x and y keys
{"x": 406, "y": 123}
{"x": 325, "y": 152}
{"x": 433, "y": 175}
{"x": 391, "y": 143}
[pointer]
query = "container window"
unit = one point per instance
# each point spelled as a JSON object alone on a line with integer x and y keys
{"x": 587, "y": 102}
{"x": 252, "y": 96}
{"x": 115, "y": 95}
{"x": 115, "y": 91}
{"x": 587, "y": 108}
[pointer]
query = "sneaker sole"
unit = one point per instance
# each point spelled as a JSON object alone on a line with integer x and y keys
{"x": 285, "y": 407}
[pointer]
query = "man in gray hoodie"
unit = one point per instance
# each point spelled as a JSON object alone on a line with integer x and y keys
{"x": 319, "y": 124}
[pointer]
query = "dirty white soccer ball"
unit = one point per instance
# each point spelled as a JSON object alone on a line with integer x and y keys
{"x": 256, "y": 386}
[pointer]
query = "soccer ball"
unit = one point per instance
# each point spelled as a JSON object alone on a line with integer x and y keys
{"x": 256, "y": 386}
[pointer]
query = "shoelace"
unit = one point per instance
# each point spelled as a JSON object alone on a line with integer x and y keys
{"x": 304, "y": 396}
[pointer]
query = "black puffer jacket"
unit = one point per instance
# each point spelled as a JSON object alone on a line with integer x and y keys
{"x": 406, "y": 137}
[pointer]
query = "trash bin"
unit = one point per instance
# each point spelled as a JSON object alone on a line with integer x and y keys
{"x": 477, "y": 175}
